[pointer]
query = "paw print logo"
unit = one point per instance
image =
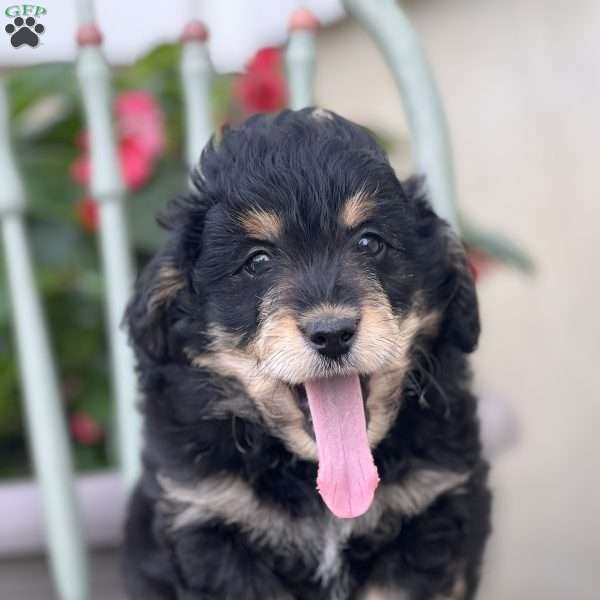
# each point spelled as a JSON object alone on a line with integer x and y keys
{"x": 24, "y": 31}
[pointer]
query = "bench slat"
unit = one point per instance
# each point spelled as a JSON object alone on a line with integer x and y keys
{"x": 301, "y": 59}
{"x": 196, "y": 78}
{"x": 107, "y": 189}
{"x": 44, "y": 412}
{"x": 392, "y": 32}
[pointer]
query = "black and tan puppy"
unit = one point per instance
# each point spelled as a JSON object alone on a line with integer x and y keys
{"x": 301, "y": 338}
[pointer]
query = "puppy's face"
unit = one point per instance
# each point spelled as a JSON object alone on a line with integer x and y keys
{"x": 311, "y": 291}
{"x": 313, "y": 271}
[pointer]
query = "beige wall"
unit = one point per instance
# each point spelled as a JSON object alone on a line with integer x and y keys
{"x": 521, "y": 83}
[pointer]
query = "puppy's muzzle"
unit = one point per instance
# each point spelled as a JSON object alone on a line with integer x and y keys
{"x": 331, "y": 336}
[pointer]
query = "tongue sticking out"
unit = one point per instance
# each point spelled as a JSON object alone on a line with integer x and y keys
{"x": 347, "y": 475}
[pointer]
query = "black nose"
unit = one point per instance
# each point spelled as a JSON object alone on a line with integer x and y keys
{"x": 331, "y": 336}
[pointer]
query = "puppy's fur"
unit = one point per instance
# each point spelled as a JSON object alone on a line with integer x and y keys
{"x": 227, "y": 506}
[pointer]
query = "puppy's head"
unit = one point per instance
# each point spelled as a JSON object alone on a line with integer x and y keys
{"x": 305, "y": 270}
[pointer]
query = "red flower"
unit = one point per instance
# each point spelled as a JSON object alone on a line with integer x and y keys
{"x": 265, "y": 58}
{"x": 479, "y": 262}
{"x": 85, "y": 430}
{"x": 80, "y": 170}
{"x": 262, "y": 88}
{"x": 87, "y": 214}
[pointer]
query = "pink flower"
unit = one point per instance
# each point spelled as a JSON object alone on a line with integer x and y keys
{"x": 135, "y": 164}
{"x": 85, "y": 430}
{"x": 141, "y": 139}
{"x": 262, "y": 88}
{"x": 141, "y": 122}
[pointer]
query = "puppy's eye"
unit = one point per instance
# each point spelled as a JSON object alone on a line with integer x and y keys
{"x": 371, "y": 244}
{"x": 258, "y": 263}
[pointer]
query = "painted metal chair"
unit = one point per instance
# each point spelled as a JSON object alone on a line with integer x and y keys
{"x": 390, "y": 29}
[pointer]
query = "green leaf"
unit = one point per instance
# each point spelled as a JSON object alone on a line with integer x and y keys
{"x": 498, "y": 247}
{"x": 50, "y": 192}
{"x": 161, "y": 58}
{"x": 145, "y": 205}
{"x": 27, "y": 86}
{"x": 10, "y": 408}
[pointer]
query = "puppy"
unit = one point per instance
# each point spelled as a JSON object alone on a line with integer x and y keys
{"x": 301, "y": 339}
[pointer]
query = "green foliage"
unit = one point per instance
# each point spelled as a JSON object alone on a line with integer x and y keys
{"x": 498, "y": 248}
{"x": 47, "y": 119}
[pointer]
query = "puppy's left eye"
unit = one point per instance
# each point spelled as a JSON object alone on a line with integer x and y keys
{"x": 258, "y": 263}
{"x": 371, "y": 244}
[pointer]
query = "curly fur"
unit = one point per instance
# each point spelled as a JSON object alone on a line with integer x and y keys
{"x": 227, "y": 506}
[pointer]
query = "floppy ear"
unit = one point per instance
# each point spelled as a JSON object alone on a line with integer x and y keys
{"x": 446, "y": 269}
{"x": 160, "y": 292}
{"x": 148, "y": 315}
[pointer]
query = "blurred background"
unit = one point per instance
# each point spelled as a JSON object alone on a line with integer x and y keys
{"x": 520, "y": 80}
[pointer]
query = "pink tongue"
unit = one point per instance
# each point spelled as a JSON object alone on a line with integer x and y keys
{"x": 347, "y": 475}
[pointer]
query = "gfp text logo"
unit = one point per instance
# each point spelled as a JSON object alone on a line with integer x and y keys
{"x": 24, "y": 30}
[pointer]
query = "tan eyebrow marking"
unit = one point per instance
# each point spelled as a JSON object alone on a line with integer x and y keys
{"x": 357, "y": 208}
{"x": 261, "y": 224}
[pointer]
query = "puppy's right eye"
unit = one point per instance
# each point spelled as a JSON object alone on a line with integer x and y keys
{"x": 371, "y": 244}
{"x": 258, "y": 263}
